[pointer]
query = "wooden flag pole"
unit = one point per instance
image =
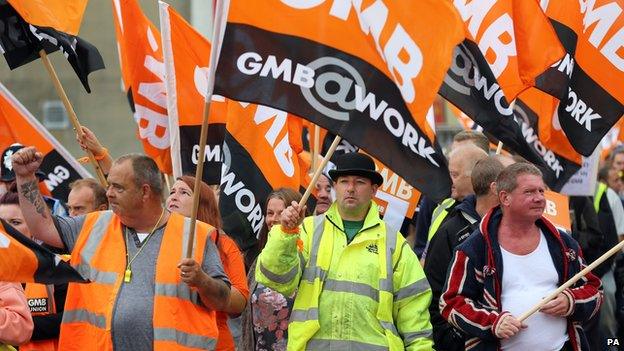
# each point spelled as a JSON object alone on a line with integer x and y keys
{"x": 319, "y": 170}
{"x": 316, "y": 149}
{"x": 70, "y": 111}
{"x": 499, "y": 148}
{"x": 214, "y": 55}
{"x": 572, "y": 280}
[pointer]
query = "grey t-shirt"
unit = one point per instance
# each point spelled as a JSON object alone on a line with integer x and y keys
{"x": 132, "y": 327}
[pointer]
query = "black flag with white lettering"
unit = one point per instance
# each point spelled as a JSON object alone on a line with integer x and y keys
{"x": 21, "y": 42}
{"x": 471, "y": 86}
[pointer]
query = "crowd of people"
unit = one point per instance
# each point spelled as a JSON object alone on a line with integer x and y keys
{"x": 458, "y": 276}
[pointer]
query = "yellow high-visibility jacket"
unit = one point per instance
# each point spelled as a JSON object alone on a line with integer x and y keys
{"x": 370, "y": 294}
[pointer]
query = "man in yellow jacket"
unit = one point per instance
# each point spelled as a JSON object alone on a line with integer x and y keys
{"x": 358, "y": 286}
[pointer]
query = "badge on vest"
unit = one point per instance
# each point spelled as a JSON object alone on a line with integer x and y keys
{"x": 372, "y": 248}
{"x": 38, "y": 305}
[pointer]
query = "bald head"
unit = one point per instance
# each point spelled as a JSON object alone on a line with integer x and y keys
{"x": 461, "y": 163}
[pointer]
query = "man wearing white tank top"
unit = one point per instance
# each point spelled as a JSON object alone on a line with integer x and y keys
{"x": 515, "y": 259}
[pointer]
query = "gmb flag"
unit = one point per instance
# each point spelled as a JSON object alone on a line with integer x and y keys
{"x": 143, "y": 76}
{"x": 23, "y": 260}
{"x": 593, "y": 34}
{"x": 261, "y": 150}
{"x": 367, "y": 71}
{"x": 18, "y": 125}
{"x": 186, "y": 55}
{"x": 509, "y": 43}
{"x": 20, "y": 41}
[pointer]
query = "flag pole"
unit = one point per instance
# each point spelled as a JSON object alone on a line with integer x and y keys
{"x": 70, "y": 111}
{"x": 214, "y": 55}
{"x": 319, "y": 170}
{"x": 499, "y": 148}
{"x": 572, "y": 280}
{"x": 316, "y": 148}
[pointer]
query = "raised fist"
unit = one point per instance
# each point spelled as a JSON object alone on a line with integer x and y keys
{"x": 26, "y": 161}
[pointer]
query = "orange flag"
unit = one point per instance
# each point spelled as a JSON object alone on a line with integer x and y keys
{"x": 142, "y": 71}
{"x": 258, "y": 157}
{"x": 186, "y": 56}
{"x": 367, "y": 71}
{"x": 62, "y": 15}
{"x": 18, "y": 125}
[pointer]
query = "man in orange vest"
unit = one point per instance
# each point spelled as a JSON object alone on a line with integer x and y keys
{"x": 143, "y": 293}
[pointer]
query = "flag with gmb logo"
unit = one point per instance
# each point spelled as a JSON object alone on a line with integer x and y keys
{"x": 142, "y": 72}
{"x": 18, "y": 125}
{"x": 186, "y": 54}
{"x": 367, "y": 71}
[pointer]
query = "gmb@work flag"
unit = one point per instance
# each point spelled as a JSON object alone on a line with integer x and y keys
{"x": 18, "y": 125}
{"x": 367, "y": 72}
{"x": 261, "y": 153}
{"x": 186, "y": 55}
{"x": 508, "y": 44}
{"x": 23, "y": 260}
{"x": 594, "y": 68}
{"x": 20, "y": 43}
{"x": 143, "y": 75}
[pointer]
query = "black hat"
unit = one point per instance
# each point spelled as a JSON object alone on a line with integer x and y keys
{"x": 356, "y": 164}
{"x": 6, "y": 166}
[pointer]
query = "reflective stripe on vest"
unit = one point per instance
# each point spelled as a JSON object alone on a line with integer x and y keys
{"x": 439, "y": 213}
{"x": 184, "y": 339}
{"x": 322, "y": 344}
{"x": 313, "y": 271}
{"x": 93, "y": 242}
{"x": 600, "y": 191}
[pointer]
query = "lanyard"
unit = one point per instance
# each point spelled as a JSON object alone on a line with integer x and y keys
{"x": 128, "y": 273}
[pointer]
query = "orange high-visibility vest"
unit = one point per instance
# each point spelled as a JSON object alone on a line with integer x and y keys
{"x": 40, "y": 298}
{"x": 180, "y": 323}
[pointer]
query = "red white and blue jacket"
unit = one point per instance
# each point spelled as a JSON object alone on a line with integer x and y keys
{"x": 472, "y": 296}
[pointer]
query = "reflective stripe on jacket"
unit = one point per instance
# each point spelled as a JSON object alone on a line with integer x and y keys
{"x": 348, "y": 296}
{"x": 438, "y": 216}
{"x": 40, "y": 298}
{"x": 180, "y": 322}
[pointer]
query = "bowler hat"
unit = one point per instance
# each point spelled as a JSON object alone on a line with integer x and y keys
{"x": 6, "y": 166}
{"x": 356, "y": 164}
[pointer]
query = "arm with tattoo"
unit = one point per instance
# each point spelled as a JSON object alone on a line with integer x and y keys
{"x": 35, "y": 212}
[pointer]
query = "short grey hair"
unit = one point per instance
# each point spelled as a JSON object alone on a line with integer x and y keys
{"x": 507, "y": 180}
{"x": 145, "y": 171}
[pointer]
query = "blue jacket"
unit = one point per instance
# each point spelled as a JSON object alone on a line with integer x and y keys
{"x": 472, "y": 297}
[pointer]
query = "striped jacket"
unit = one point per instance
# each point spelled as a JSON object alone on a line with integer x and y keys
{"x": 472, "y": 297}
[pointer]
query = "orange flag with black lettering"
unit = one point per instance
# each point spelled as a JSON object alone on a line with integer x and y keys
{"x": 509, "y": 43}
{"x": 261, "y": 153}
{"x": 142, "y": 71}
{"x": 186, "y": 55}
{"x": 593, "y": 69}
{"x": 62, "y": 15}
{"x": 24, "y": 261}
{"x": 367, "y": 71}
{"x": 18, "y": 125}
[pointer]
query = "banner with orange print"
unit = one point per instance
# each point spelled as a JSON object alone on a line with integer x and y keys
{"x": 367, "y": 71}
{"x": 62, "y": 15}
{"x": 186, "y": 54}
{"x": 258, "y": 157}
{"x": 142, "y": 71}
{"x": 18, "y": 125}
